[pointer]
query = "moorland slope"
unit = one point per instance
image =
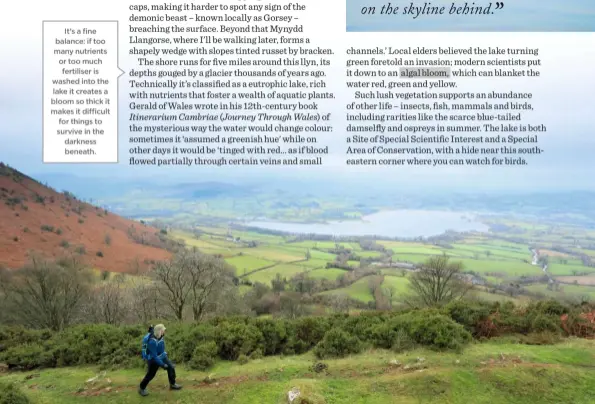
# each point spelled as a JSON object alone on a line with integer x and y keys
{"x": 36, "y": 218}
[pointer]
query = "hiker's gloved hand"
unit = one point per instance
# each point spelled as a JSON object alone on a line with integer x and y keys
{"x": 165, "y": 366}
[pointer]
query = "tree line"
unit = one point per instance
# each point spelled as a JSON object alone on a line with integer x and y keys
{"x": 192, "y": 286}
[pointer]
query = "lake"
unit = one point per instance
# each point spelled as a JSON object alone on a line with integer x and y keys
{"x": 398, "y": 223}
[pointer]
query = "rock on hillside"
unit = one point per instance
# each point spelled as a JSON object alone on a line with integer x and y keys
{"x": 35, "y": 218}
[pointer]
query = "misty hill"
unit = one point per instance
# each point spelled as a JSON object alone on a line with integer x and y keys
{"x": 36, "y": 218}
{"x": 282, "y": 198}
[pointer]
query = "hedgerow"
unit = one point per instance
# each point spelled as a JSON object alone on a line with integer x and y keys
{"x": 200, "y": 345}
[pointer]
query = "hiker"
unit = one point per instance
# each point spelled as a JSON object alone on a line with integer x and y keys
{"x": 156, "y": 357}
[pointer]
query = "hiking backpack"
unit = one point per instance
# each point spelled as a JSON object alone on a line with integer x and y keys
{"x": 145, "y": 344}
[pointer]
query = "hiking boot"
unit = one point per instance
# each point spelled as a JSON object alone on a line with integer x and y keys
{"x": 143, "y": 392}
{"x": 175, "y": 387}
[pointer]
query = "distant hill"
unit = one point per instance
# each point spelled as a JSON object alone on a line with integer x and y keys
{"x": 36, "y": 218}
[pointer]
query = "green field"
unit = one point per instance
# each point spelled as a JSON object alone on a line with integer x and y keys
{"x": 314, "y": 263}
{"x": 327, "y": 273}
{"x": 496, "y": 372}
{"x": 510, "y": 268}
{"x": 369, "y": 254}
{"x": 497, "y": 260}
{"x": 247, "y": 263}
{"x": 399, "y": 283}
{"x": 399, "y": 289}
{"x": 359, "y": 290}
{"x": 321, "y": 255}
{"x": 212, "y": 217}
{"x": 487, "y": 250}
{"x": 413, "y": 258}
{"x": 572, "y": 291}
{"x": 561, "y": 269}
{"x": 323, "y": 245}
{"x": 285, "y": 270}
{"x": 274, "y": 254}
{"x": 416, "y": 249}
{"x": 566, "y": 261}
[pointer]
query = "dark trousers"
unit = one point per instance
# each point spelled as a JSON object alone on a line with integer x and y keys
{"x": 153, "y": 367}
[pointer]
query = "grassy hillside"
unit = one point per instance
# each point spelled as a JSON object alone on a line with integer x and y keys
{"x": 358, "y": 290}
{"x": 498, "y": 372}
{"x": 310, "y": 275}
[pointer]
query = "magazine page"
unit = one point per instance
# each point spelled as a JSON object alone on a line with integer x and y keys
{"x": 273, "y": 201}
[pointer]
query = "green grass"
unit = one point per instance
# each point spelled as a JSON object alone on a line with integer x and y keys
{"x": 322, "y": 255}
{"x": 324, "y": 245}
{"x": 369, "y": 254}
{"x": 520, "y": 253}
{"x": 274, "y": 254}
{"x": 267, "y": 275}
{"x": 247, "y": 263}
{"x": 511, "y": 268}
{"x": 204, "y": 242}
{"x": 201, "y": 244}
{"x": 314, "y": 263}
{"x": 358, "y": 290}
{"x": 290, "y": 248}
{"x": 496, "y": 372}
{"x": 219, "y": 241}
{"x": 401, "y": 287}
{"x": 565, "y": 261}
{"x": 503, "y": 260}
{"x": 393, "y": 272}
{"x": 561, "y": 269}
{"x": 508, "y": 267}
{"x": 400, "y": 284}
{"x": 457, "y": 252}
{"x": 417, "y": 249}
{"x": 327, "y": 273}
{"x": 352, "y": 246}
{"x": 573, "y": 291}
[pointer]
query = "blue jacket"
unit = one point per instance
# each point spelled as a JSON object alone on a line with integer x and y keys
{"x": 156, "y": 348}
